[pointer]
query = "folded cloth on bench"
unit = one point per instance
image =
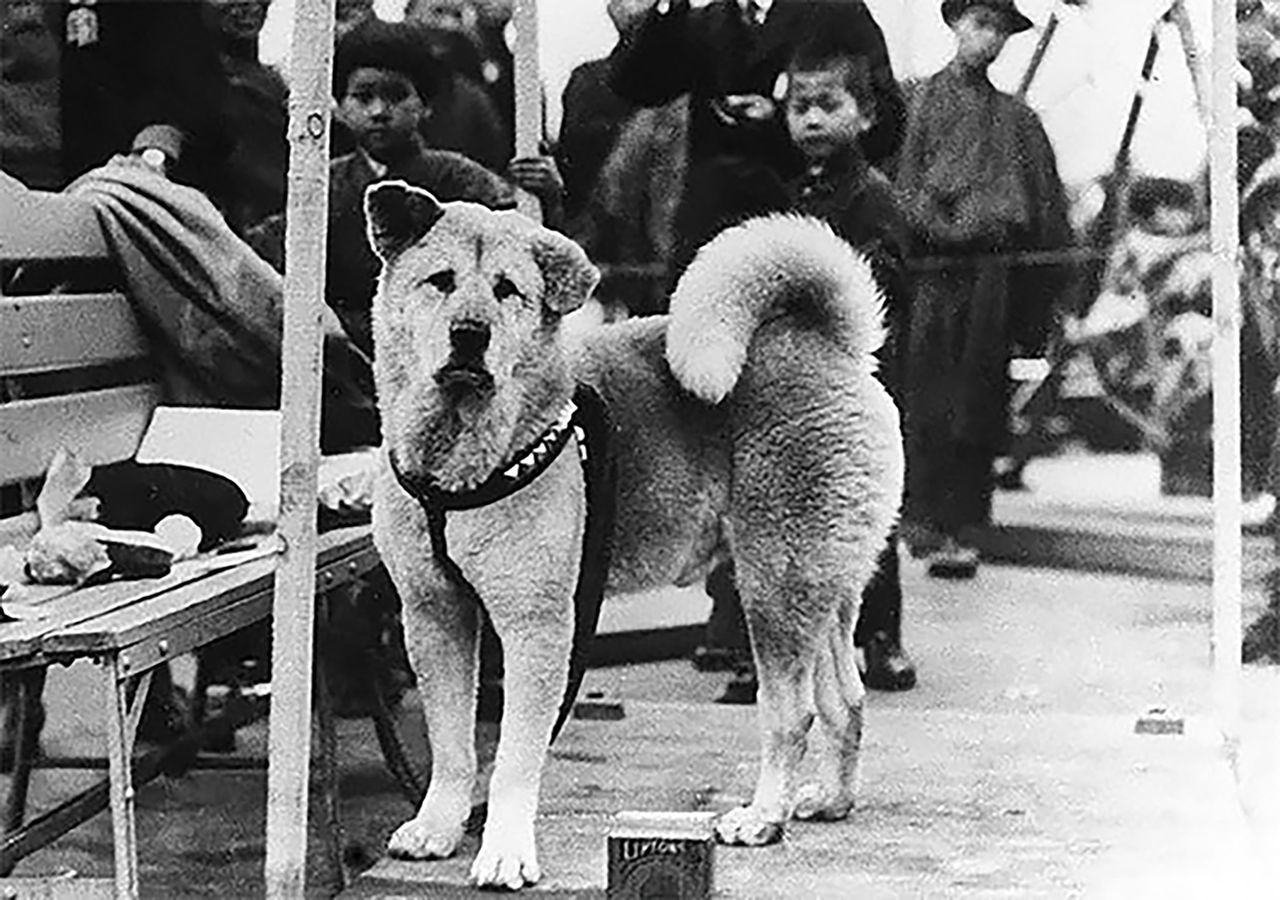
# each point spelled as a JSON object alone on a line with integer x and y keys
{"x": 212, "y": 309}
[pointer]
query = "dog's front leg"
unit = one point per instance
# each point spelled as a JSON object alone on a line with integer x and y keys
{"x": 441, "y": 637}
{"x": 536, "y": 629}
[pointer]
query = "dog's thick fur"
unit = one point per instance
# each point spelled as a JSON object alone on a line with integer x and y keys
{"x": 749, "y": 423}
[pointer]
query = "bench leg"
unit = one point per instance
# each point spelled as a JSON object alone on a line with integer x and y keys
{"x": 26, "y": 718}
{"x": 122, "y": 725}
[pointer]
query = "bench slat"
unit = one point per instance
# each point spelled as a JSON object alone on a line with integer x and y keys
{"x": 43, "y": 333}
{"x": 23, "y": 638}
{"x": 163, "y": 627}
{"x": 166, "y": 613}
{"x": 100, "y": 426}
{"x": 44, "y": 225}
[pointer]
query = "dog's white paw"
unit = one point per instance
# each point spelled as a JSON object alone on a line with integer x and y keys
{"x": 816, "y": 803}
{"x": 424, "y": 839}
{"x": 507, "y": 859}
{"x": 748, "y": 826}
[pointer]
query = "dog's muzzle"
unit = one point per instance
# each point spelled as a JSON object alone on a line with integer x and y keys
{"x": 465, "y": 368}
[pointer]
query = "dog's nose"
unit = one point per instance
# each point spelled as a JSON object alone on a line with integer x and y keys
{"x": 469, "y": 338}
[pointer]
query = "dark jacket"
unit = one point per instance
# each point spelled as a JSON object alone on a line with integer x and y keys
{"x": 860, "y": 204}
{"x": 128, "y": 65}
{"x": 737, "y": 167}
{"x": 594, "y": 115}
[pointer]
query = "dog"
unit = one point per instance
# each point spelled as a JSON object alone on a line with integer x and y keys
{"x": 748, "y": 423}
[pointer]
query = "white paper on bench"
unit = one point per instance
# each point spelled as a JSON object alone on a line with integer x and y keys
{"x": 242, "y": 444}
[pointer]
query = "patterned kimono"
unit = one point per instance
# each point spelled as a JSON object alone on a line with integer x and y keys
{"x": 977, "y": 177}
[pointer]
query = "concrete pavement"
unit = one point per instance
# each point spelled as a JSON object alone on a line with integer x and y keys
{"x": 1011, "y": 770}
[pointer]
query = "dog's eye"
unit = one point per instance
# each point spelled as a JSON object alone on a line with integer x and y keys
{"x": 443, "y": 281}
{"x": 504, "y": 287}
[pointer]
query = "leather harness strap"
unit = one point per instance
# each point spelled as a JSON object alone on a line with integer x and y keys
{"x": 586, "y": 418}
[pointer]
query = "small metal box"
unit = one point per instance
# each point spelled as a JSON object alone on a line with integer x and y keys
{"x": 661, "y": 855}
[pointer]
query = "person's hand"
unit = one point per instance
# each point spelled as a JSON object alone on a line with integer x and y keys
{"x": 539, "y": 175}
{"x": 755, "y": 107}
{"x": 139, "y": 161}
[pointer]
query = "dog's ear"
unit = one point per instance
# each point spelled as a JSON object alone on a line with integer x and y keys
{"x": 398, "y": 214}
{"x": 568, "y": 275}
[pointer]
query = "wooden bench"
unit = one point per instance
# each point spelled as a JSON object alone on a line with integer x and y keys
{"x": 75, "y": 374}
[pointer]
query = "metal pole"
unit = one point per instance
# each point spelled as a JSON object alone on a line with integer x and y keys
{"x": 289, "y": 734}
{"x": 1037, "y": 57}
{"x": 1195, "y": 59}
{"x": 528, "y": 91}
{"x": 1227, "y": 546}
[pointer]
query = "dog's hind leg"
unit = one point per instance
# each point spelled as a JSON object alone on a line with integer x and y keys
{"x": 786, "y": 657}
{"x": 442, "y": 639}
{"x": 838, "y": 693}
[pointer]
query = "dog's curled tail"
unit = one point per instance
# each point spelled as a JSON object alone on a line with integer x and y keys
{"x": 778, "y": 264}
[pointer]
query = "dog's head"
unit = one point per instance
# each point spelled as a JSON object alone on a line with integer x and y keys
{"x": 469, "y": 304}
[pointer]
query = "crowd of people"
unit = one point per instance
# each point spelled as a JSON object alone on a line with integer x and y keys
{"x": 699, "y": 117}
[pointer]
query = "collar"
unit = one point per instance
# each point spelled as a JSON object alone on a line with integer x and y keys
{"x": 509, "y": 478}
{"x": 847, "y": 166}
{"x": 757, "y": 9}
{"x": 379, "y": 169}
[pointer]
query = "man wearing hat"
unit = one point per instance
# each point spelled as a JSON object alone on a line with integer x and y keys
{"x": 978, "y": 183}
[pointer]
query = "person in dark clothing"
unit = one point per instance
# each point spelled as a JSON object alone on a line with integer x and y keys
{"x": 728, "y": 57}
{"x": 132, "y": 76}
{"x": 464, "y": 117}
{"x": 256, "y": 114}
{"x": 594, "y": 115}
{"x": 978, "y": 180}
{"x": 829, "y": 104}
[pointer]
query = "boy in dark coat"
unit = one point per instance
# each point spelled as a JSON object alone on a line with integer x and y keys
{"x": 829, "y": 105}
{"x": 978, "y": 180}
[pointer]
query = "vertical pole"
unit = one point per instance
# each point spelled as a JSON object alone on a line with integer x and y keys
{"x": 524, "y": 16}
{"x": 293, "y": 608}
{"x": 1227, "y": 547}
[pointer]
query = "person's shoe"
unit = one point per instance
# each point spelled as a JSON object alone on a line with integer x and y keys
{"x": 953, "y": 561}
{"x": 888, "y": 667}
{"x": 741, "y": 691}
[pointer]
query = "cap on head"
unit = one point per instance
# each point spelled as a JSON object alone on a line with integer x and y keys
{"x": 1016, "y": 21}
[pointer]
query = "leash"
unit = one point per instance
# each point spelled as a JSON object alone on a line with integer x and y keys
{"x": 586, "y": 419}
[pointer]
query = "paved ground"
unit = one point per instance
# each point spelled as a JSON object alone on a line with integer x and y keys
{"x": 1012, "y": 769}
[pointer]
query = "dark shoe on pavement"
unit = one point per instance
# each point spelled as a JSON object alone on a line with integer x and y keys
{"x": 888, "y": 666}
{"x": 741, "y": 691}
{"x": 953, "y": 561}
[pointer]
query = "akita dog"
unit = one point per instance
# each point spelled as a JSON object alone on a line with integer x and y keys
{"x": 747, "y": 423}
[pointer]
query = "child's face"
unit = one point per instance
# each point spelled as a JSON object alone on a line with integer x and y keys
{"x": 981, "y": 33}
{"x": 822, "y": 115}
{"x": 383, "y": 109}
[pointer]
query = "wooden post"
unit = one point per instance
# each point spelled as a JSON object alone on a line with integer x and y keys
{"x": 1224, "y": 225}
{"x": 528, "y": 90}
{"x": 289, "y": 733}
